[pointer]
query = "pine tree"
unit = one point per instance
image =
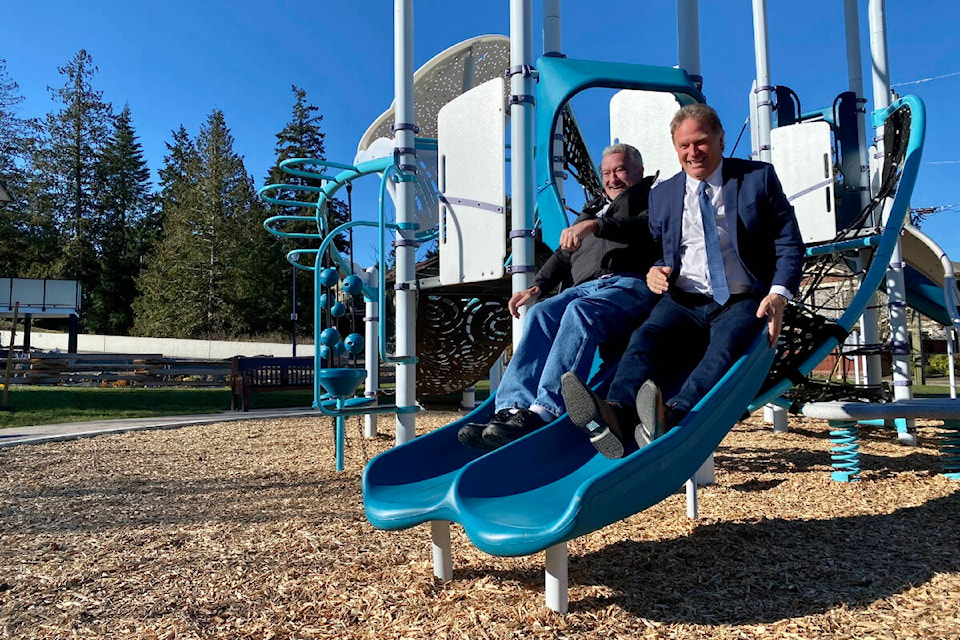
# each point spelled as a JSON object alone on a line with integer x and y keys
{"x": 68, "y": 159}
{"x": 124, "y": 204}
{"x": 166, "y": 302}
{"x": 13, "y": 175}
{"x": 204, "y": 280}
{"x": 303, "y": 138}
{"x": 29, "y": 240}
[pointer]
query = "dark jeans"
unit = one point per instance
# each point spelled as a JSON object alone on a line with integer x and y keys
{"x": 686, "y": 345}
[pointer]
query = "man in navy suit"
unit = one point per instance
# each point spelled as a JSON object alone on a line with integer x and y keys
{"x": 732, "y": 258}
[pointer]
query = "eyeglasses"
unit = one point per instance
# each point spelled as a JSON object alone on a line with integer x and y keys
{"x": 606, "y": 173}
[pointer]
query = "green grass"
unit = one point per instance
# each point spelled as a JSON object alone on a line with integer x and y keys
{"x": 28, "y": 405}
{"x": 931, "y": 391}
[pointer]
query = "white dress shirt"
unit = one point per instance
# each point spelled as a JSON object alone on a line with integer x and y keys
{"x": 694, "y": 273}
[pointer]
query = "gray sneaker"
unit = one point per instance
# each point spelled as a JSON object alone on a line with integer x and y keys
{"x": 594, "y": 416}
{"x": 650, "y": 411}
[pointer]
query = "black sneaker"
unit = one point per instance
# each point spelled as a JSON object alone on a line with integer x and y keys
{"x": 593, "y": 415}
{"x": 522, "y": 422}
{"x": 650, "y": 410}
{"x": 471, "y": 434}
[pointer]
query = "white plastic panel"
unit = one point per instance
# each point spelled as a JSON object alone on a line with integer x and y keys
{"x": 803, "y": 156}
{"x": 473, "y": 227}
{"x": 642, "y": 119}
{"x": 426, "y": 208}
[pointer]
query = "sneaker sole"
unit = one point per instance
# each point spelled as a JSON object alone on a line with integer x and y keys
{"x": 648, "y": 400}
{"x": 584, "y": 412}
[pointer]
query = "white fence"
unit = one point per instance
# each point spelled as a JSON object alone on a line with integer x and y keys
{"x": 168, "y": 347}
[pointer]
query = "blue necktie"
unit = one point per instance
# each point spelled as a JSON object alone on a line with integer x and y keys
{"x": 711, "y": 238}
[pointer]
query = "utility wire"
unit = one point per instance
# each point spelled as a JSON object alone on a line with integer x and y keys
{"x": 922, "y": 80}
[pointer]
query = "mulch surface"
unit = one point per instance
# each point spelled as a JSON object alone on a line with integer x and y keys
{"x": 245, "y": 530}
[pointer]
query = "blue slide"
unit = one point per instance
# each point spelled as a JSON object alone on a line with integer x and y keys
{"x": 550, "y": 486}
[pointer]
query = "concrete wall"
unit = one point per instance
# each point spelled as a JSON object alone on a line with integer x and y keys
{"x": 168, "y": 347}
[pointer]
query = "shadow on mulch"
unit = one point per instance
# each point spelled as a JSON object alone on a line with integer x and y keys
{"x": 180, "y": 503}
{"x": 741, "y": 573}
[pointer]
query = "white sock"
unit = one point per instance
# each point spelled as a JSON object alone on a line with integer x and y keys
{"x": 544, "y": 414}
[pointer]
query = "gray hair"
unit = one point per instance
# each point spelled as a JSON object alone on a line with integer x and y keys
{"x": 630, "y": 153}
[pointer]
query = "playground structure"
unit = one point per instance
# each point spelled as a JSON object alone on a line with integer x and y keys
{"x": 550, "y": 487}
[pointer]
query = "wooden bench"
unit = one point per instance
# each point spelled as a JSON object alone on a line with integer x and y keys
{"x": 267, "y": 373}
{"x": 844, "y": 417}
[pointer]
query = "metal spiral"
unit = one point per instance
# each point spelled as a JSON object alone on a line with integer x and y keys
{"x": 846, "y": 451}
{"x": 950, "y": 449}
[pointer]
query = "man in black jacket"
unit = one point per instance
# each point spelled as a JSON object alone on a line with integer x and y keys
{"x": 606, "y": 254}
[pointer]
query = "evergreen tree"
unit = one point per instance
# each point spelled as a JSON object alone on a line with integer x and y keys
{"x": 204, "y": 280}
{"x": 29, "y": 240}
{"x": 303, "y": 138}
{"x": 67, "y": 159}
{"x": 13, "y": 158}
{"x": 123, "y": 231}
{"x": 162, "y": 304}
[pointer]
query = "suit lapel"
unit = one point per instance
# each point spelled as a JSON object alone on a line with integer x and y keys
{"x": 675, "y": 219}
{"x": 731, "y": 192}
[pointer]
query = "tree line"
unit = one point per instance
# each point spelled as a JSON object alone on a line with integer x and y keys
{"x": 187, "y": 258}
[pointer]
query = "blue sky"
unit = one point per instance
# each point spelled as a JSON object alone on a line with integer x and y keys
{"x": 173, "y": 62}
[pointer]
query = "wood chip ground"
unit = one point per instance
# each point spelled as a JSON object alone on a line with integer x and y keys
{"x": 245, "y": 530}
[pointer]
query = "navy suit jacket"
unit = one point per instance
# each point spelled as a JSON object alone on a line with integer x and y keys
{"x": 766, "y": 236}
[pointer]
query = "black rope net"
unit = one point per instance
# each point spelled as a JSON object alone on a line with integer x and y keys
{"x": 577, "y": 158}
{"x": 829, "y": 284}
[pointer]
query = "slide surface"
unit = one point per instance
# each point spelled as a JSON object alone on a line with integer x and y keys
{"x": 550, "y": 486}
{"x": 924, "y": 279}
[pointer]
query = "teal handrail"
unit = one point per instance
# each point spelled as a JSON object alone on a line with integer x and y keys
{"x": 382, "y": 296}
{"x": 885, "y": 245}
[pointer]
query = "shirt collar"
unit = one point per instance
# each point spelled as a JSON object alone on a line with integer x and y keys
{"x": 715, "y": 179}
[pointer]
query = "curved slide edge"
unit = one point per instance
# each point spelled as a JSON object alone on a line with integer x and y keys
{"x": 927, "y": 274}
{"x": 552, "y": 486}
{"x": 411, "y": 484}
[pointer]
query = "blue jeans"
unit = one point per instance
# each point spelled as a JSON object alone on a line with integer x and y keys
{"x": 562, "y": 334}
{"x": 686, "y": 345}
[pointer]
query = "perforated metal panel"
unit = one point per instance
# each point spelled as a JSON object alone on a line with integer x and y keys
{"x": 445, "y": 76}
{"x": 642, "y": 119}
{"x": 803, "y": 157}
{"x": 471, "y": 144}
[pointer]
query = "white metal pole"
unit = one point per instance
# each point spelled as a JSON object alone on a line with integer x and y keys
{"x": 870, "y": 319}
{"x": 521, "y": 154}
{"x": 688, "y": 39}
{"x": 896, "y": 291}
{"x": 855, "y": 83}
{"x": 496, "y": 373}
{"x": 692, "y": 507}
{"x": 371, "y": 353}
{"x": 404, "y": 141}
{"x": 468, "y": 398}
{"x": 951, "y": 336}
{"x": 763, "y": 88}
{"x": 552, "y": 28}
{"x": 552, "y": 45}
{"x": 557, "y": 594}
{"x": 442, "y": 555}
